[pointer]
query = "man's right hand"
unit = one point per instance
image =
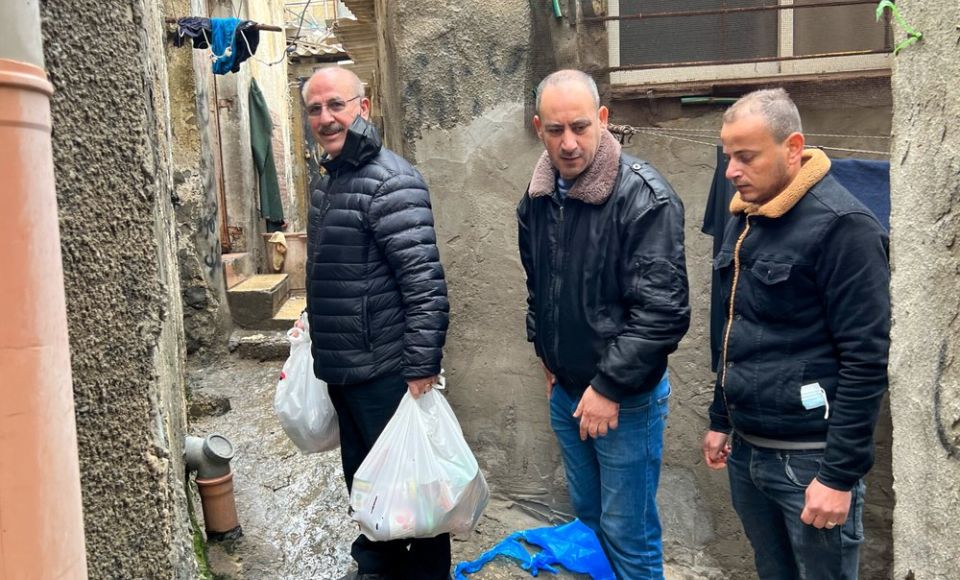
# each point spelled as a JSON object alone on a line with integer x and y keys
{"x": 551, "y": 378}
{"x": 716, "y": 449}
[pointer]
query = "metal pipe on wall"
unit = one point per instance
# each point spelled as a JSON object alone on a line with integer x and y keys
{"x": 41, "y": 513}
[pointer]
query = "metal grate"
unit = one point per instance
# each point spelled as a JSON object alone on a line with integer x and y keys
{"x": 662, "y": 34}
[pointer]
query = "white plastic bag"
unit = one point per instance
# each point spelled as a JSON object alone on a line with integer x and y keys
{"x": 302, "y": 402}
{"x": 420, "y": 479}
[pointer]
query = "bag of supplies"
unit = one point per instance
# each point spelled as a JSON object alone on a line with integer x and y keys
{"x": 420, "y": 479}
{"x": 302, "y": 402}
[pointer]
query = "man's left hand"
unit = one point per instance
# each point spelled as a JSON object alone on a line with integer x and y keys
{"x": 420, "y": 386}
{"x": 598, "y": 415}
{"x": 825, "y": 507}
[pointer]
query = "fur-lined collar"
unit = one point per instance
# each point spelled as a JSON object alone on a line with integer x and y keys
{"x": 814, "y": 166}
{"x": 594, "y": 185}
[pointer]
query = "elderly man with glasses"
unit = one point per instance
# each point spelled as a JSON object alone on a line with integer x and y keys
{"x": 376, "y": 295}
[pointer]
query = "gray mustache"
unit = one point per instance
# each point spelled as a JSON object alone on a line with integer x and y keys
{"x": 331, "y": 129}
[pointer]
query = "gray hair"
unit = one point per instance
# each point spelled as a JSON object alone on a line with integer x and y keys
{"x": 569, "y": 76}
{"x": 774, "y": 105}
{"x": 357, "y": 83}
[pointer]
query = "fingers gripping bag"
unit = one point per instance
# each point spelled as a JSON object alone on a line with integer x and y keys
{"x": 302, "y": 402}
{"x": 420, "y": 479}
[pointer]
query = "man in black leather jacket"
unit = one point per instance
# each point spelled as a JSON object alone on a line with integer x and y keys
{"x": 601, "y": 240}
{"x": 805, "y": 285}
{"x": 376, "y": 295}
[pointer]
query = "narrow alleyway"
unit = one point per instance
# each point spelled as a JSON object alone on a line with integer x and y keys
{"x": 293, "y": 507}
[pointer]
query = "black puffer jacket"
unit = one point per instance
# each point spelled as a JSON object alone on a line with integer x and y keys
{"x": 376, "y": 294}
{"x": 606, "y": 274}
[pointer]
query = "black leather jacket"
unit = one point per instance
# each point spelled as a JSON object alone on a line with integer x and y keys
{"x": 812, "y": 305}
{"x": 606, "y": 277}
{"x": 376, "y": 294}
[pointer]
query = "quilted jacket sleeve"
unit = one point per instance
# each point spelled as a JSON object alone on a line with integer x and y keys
{"x": 402, "y": 223}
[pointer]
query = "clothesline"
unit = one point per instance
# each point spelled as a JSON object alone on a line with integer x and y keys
{"x": 627, "y": 131}
{"x": 717, "y": 131}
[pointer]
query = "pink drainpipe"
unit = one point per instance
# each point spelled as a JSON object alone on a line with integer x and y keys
{"x": 41, "y": 514}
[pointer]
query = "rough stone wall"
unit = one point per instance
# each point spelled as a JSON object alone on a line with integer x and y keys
{"x": 114, "y": 186}
{"x": 458, "y": 104}
{"x": 193, "y": 131}
{"x": 925, "y": 386}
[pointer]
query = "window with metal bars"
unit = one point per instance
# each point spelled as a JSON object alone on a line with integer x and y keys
{"x": 682, "y": 41}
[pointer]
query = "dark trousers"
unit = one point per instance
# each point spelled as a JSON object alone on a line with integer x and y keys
{"x": 363, "y": 410}
{"x": 768, "y": 488}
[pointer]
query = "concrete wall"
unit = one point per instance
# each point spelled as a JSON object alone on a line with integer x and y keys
{"x": 114, "y": 186}
{"x": 194, "y": 138}
{"x": 458, "y": 103}
{"x": 925, "y": 388}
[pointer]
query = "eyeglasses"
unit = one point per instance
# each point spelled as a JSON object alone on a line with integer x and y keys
{"x": 333, "y": 105}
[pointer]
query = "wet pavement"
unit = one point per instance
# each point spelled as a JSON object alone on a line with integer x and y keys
{"x": 293, "y": 507}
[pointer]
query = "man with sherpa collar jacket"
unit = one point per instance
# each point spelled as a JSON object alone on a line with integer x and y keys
{"x": 805, "y": 285}
{"x": 601, "y": 240}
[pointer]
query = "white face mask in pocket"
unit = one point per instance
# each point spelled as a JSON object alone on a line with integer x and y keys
{"x": 813, "y": 397}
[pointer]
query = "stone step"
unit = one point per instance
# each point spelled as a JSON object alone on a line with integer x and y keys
{"x": 289, "y": 313}
{"x": 237, "y": 267}
{"x": 256, "y": 345}
{"x": 255, "y": 301}
{"x": 269, "y": 341}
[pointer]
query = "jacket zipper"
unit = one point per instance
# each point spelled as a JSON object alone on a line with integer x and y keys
{"x": 557, "y": 270}
{"x": 730, "y": 315}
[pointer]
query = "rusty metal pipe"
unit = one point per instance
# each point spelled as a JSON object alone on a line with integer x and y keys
{"x": 41, "y": 514}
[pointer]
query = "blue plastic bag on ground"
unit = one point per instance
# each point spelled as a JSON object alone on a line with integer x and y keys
{"x": 574, "y": 546}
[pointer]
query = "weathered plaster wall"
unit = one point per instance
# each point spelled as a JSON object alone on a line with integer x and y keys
{"x": 114, "y": 187}
{"x": 193, "y": 132}
{"x": 925, "y": 389}
{"x": 461, "y": 104}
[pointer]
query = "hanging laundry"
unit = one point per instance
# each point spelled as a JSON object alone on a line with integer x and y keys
{"x": 234, "y": 41}
{"x": 869, "y": 181}
{"x": 714, "y": 221}
{"x": 193, "y": 27}
{"x": 261, "y": 141}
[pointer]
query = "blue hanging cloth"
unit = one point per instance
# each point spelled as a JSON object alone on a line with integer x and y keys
{"x": 573, "y": 546}
{"x": 233, "y": 41}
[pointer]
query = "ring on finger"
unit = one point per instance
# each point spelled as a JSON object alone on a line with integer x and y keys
{"x": 831, "y": 525}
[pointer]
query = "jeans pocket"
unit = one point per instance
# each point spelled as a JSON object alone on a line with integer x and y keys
{"x": 635, "y": 406}
{"x": 800, "y": 469}
{"x": 856, "y": 515}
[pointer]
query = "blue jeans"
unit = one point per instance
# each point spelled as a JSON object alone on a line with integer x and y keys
{"x": 613, "y": 479}
{"x": 768, "y": 487}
